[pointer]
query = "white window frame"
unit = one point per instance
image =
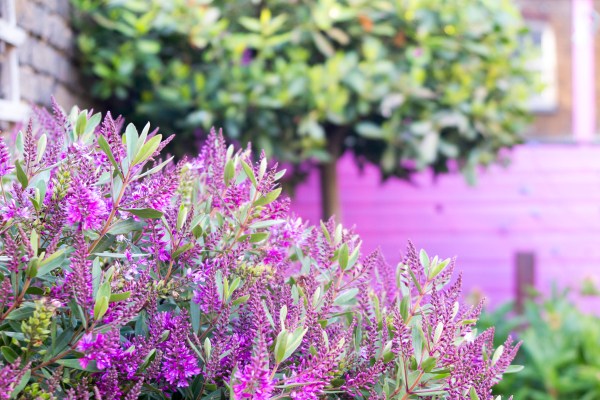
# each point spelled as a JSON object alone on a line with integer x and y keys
{"x": 12, "y": 109}
{"x": 546, "y": 64}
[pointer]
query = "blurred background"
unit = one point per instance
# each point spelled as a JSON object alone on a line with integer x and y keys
{"x": 467, "y": 126}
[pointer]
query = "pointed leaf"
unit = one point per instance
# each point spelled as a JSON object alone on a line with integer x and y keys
{"x": 147, "y": 213}
{"x": 105, "y": 147}
{"x": 147, "y": 150}
{"x": 21, "y": 175}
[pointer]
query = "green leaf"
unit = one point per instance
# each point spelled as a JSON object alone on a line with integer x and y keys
{"x": 21, "y": 175}
{"x": 266, "y": 224}
{"x": 102, "y": 299}
{"x": 346, "y": 297}
{"x": 388, "y": 354}
{"x": 280, "y": 346}
{"x": 182, "y": 249}
{"x": 19, "y": 142}
{"x": 439, "y": 329}
{"x": 438, "y": 268}
{"x": 92, "y": 123}
{"x": 131, "y": 139}
{"x": 258, "y": 237}
{"x": 142, "y": 138}
{"x": 41, "y": 147}
{"x": 51, "y": 263}
{"x": 75, "y": 364}
{"x": 325, "y": 231}
{"x": 100, "y": 308}
{"x": 105, "y": 147}
{"x": 229, "y": 172}
{"x": 235, "y": 284}
{"x": 207, "y": 347}
{"x": 512, "y": 369}
{"x": 219, "y": 283}
{"x": 32, "y": 269}
{"x": 415, "y": 281}
{"x": 424, "y": 258}
{"x": 195, "y": 315}
{"x": 22, "y": 383}
{"x": 147, "y": 213}
{"x": 21, "y": 313}
{"x": 123, "y": 227}
{"x": 147, "y": 360}
{"x": 268, "y": 314}
{"x": 343, "y": 257}
{"x": 428, "y": 364}
{"x": 293, "y": 341}
{"x": 497, "y": 354}
{"x": 119, "y": 297}
{"x": 241, "y": 300}
{"x": 80, "y": 124}
{"x": 283, "y": 316}
{"x": 473, "y": 394}
{"x": 182, "y": 216}
{"x": 9, "y": 354}
{"x": 249, "y": 173}
{"x": 279, "y": 175}
{"x": 404, "y": 307}
{"x": 268, "y": 198}
{"x": 316, "y": 297}
{"x": 147, "y": 149}
{"x": 120, "y": 255}
{"x": 35, "y": 290}
{"x": 155, "y": 169}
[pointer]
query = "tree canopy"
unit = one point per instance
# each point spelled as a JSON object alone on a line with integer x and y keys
{"x": 402, "y": 84}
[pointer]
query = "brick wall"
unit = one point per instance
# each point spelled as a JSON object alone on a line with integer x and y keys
{"x": 47, "y": 57}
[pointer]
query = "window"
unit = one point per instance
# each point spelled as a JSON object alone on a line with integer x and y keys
{"x": 11, "y": 36}
{"x": 544, "y": 64}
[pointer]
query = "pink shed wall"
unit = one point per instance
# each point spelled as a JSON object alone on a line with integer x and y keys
{"x": 547, "y": 201}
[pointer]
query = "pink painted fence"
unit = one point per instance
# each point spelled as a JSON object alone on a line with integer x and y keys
{"x": 546, "y": 202}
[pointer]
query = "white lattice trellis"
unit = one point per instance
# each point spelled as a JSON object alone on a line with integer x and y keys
{"x": 11, "y": 36}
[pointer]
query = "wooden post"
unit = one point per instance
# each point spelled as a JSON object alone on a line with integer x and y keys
{"x": 524, "y": 277}
{"x": 330, "y": 193}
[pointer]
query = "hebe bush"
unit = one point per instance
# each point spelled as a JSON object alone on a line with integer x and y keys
{"x": 126, "y": 275}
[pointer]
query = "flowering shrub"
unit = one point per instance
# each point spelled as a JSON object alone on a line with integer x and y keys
{"x": 125, "y": 275}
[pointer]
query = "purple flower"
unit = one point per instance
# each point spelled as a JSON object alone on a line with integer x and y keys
{"x": 102, "y": 348}
{"x": 311, "y": 389}
{"x": 78, "y": 281}
{"x": 12, "y": 210}
{"x": 85, "y": 207}
{"x": 179, "y": 361}
{"x": 5, "y": 165}
{"x": 10, "y": 376}
{"x": 253, "y": 381}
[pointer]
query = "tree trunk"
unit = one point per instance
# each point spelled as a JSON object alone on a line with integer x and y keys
{"x": 330, "y": 195}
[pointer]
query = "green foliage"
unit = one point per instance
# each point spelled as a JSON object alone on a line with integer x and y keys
{"x": 560, "y": 350}
{"x": 402, "y": 84}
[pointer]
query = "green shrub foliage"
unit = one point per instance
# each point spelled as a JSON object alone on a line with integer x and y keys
{"x": 561, "y": 349}
{"x": 401, "y": 84}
